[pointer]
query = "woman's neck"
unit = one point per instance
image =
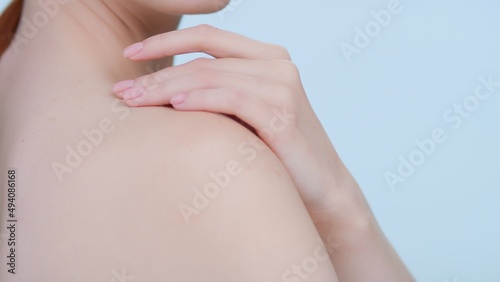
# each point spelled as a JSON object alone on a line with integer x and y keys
{"x": 82, "y": 38}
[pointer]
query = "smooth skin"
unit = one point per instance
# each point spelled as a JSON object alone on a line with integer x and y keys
{"x": 117, "y": 213}
{"x": 115, "y": 216}
{"x": 254, "y": 81}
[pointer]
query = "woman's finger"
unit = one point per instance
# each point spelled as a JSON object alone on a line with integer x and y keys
{"x": 266, "y": 119}
{"x": 200, "y": 79}
{"x": 207, "y": 39}
{"x": 267, "y": 71}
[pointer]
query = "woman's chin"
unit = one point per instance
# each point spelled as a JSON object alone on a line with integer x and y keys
{"x": 207, "y": 6}
{"x": 181, "y": 7}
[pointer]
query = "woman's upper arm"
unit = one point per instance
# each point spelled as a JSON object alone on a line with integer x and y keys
{"x": 238, "y": 210}
{"x": 191, "y": 197}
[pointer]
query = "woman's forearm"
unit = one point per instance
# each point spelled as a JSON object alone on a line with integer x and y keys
{"x": 356, "y": 244}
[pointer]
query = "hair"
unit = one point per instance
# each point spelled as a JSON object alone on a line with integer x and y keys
{"x": 9, "y": 21}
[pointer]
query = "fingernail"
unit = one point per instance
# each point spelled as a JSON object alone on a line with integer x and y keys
{"x": 133, "y": 93}
{"x": 178, "y": 99}
{"x": 123, "y": 85}
{"x": 133, "y": 49}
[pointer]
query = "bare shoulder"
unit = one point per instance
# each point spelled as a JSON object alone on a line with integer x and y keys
{"x": 188, "y": 196}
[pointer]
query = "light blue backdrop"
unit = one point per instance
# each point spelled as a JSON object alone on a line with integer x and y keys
{"x": 408, "y": 72}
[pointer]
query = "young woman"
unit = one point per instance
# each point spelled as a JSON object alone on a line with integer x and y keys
{"x": 227, "y": 176}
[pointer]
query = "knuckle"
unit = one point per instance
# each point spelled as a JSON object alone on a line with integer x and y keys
{"x": 288, "y": 69}
{"x": 280, "y": 52}
{"x": 148, "y": 81}
{"x": 152, "y": 81}
{"x": 205, "y": 31}
{"x": 200, "y": 63}
{"x": 205, "y": 28}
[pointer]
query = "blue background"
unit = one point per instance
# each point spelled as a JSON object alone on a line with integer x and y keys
{"x": 444, "y": 220}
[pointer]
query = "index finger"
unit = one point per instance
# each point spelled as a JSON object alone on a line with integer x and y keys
{"x": 207, "y": 39}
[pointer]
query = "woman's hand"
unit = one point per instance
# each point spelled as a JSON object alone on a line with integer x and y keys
{"x": 258, "y": 83}
{"x": 253, "y": 81}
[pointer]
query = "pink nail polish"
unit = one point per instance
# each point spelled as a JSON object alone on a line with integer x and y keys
{"x": 133, "y": 49}
{"x": 133, "y": 93}
{"x": 123, "y": 85}
{"x": 178, "y": 99}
